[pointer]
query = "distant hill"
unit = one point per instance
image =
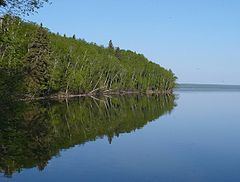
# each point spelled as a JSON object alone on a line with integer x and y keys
{"x": 207, "y": 87}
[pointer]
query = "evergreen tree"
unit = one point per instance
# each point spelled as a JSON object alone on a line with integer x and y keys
{"x": 37, "y": 60}
{"x": 118, "y": 53}
{"x": 110, "y": 45}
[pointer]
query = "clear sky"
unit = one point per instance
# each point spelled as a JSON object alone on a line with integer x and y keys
{"x": 198, "y": 39}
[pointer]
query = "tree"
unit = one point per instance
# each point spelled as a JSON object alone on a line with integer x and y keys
{"x": 20, "y": 7}
{"x": 118, "y": 53}
{"x": 37, "y": 60}
{"x": 110, "y": 45}
{"x": 2, "y": 3}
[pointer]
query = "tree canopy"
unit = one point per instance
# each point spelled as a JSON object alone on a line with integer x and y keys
{"x": 20, "y": 7}
{"x": 110, "y": 45}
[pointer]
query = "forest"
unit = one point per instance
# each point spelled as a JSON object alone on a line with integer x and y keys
{"x": 35, "y": 62}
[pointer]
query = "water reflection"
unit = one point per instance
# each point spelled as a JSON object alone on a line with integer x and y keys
{"x": 32, "y": 133}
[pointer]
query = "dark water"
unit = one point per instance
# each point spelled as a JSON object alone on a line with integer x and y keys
{"x": 194, "y": 136}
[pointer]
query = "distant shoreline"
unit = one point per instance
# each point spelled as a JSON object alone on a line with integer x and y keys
{"x": 206, "y": 87}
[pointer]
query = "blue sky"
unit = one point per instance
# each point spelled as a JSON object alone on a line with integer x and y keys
{"x": 198, "y": 39}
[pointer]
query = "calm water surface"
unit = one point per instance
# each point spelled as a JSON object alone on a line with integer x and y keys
{"x": 194, "y": 136}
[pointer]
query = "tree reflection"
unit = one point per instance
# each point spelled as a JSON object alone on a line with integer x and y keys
{"x": 32, "y": 133}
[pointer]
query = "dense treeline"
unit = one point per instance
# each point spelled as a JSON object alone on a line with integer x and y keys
{"x": 36, "y": 62}
{"x": 32, "y": 133}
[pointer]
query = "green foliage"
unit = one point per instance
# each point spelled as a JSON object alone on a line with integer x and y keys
{"x": 57, "y": 64}
{"x": 20, "y": 7}
{"x": 110, "y": 45}
{"x": 118, "y": 53}
{"x": 37, "y": 59}
{"x": 32, "y": 133}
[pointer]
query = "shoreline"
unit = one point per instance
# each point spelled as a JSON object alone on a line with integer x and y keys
{"x": 93, "y": 95}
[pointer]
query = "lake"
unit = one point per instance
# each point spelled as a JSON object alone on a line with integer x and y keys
{"x": 192, "y": 136}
